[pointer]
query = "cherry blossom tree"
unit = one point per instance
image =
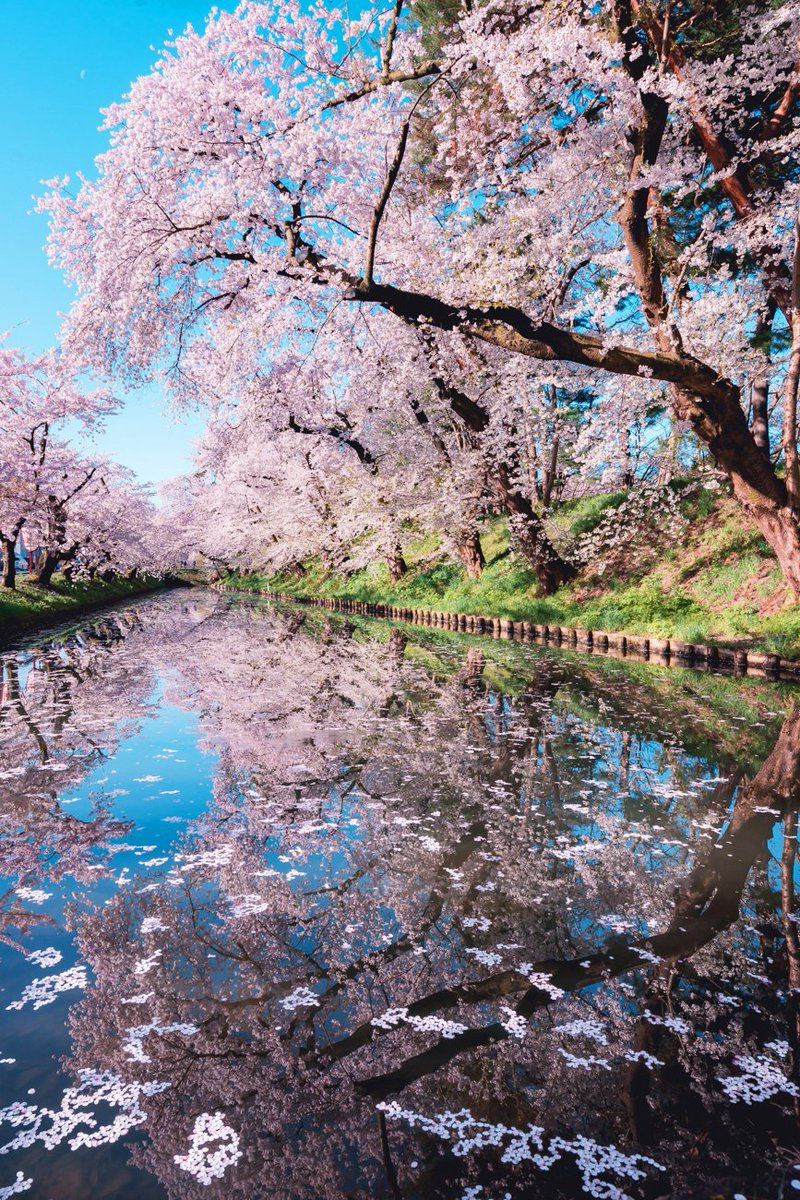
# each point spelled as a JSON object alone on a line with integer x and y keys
{"x": 38, "y": 396}
{"x": 610, "y": 190}
{"x": 315, "y": 457}
{"x": 81, "y": 510}
{"x": 92, "y": 516}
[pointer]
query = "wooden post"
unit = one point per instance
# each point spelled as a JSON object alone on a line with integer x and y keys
{"x": 636, "y": 645}
{"x": 682, "y": 651}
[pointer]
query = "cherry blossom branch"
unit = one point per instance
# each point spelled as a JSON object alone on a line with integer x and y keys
{"x": 511, "y": 329}
{"x": 374, "y": 85}
{"x": 383, "y": 199}
{"x": 342, "y": 436}
{"x": 388, "y": 185}
{"x": 391, "y": 34}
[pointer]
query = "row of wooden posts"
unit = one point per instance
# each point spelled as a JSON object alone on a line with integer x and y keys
{"x": 662, "y": 650}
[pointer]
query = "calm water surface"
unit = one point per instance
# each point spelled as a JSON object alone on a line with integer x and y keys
{"x": 293, "y": 906}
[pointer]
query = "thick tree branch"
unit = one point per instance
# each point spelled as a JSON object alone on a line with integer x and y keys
{"x": 645, "y": 139}
{"x": 512, "y": 329}
{"x": 772, "y": 124}
{"x": 343, "y": 436}
{"x": 422, "y": 71}
{"x": 391, "y": 34}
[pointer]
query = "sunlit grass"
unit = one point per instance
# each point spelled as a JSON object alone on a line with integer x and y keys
{"x": 714, "y": 587}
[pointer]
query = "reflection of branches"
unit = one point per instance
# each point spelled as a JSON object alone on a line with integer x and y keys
{"x": 418, "y": 838}
{"x": 708, "y": 904}
{"x": 13, "y": 914}
{"x": 17, "y": 706}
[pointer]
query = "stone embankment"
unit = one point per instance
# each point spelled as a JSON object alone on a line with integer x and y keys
{"x": 664, "y": 651}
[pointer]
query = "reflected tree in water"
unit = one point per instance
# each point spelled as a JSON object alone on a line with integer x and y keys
{"x": 428, "y": 887}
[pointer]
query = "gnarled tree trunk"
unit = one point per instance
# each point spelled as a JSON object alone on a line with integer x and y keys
{"x": 9, "y": 563}
{"x": 470, "y": 552}
{"x": 396, "y": 564}
{"x": 765, "y": 498}
{"x": 43, "y": 577}
{"x": 528, "y": 533}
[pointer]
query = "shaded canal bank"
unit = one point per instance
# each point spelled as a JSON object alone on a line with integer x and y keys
{"x": 303, "y": 905}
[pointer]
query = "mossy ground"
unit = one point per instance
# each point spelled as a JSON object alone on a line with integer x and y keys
{"x": 715, "y": 582}
{"x": 29, "y": 607}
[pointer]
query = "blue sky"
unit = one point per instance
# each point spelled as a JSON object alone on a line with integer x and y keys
{"x": 61, "y": 63}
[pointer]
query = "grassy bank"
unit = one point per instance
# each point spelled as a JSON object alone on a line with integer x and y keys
{"x": 28, "y": 607}
{"x": 709, "y": 579}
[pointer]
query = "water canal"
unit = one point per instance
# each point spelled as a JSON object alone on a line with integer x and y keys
{"x": 302, "y": 906}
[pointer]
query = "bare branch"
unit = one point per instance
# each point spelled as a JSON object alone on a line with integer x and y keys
{"x": 383, "y": 199}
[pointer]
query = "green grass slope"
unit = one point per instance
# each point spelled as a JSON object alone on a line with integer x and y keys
{"x": 713, "y": 580}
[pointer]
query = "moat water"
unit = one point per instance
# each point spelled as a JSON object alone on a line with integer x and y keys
{"x": 302, "y": 906}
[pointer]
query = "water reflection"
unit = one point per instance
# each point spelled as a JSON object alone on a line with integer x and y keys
{"x": 334, "y": 909}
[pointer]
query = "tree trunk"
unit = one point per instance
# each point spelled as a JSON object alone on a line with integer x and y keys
{"x": 761, "y": 494}
{"x": 721, "y": 425}
{"x": 9, "y": 563}
{"x": 471, "y": 554}
{"x": 526, "y": 527}
{"x": 550, "y": 474}
{"x": 778, "y": 525}
{"x": 44, "y": 575}
{"x": 759, "y": 393}
{"x": 668, "y": 458}
{"x": 532, "y": 456}
{"x": 716, "y": 416}
{"x": 626, "y": 468}
{"x": 528, "y": 533}
{"x": 760, "y": 402}
{"x": 396, "y": 564}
